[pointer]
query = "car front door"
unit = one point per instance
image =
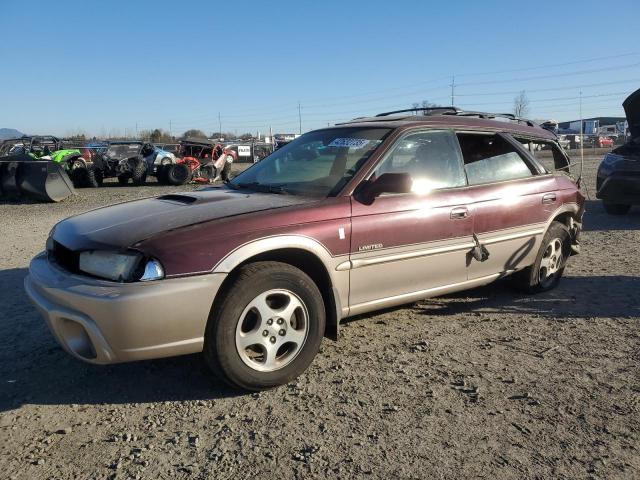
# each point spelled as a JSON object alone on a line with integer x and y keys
{"x": 511, "y": 201}
{"x": 404, "y": 246}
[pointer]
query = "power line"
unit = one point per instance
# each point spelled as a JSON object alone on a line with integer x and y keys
{"x": 555, "y": 75}
{"x": 528, "y": 90}
{"x": 554, "y": 65}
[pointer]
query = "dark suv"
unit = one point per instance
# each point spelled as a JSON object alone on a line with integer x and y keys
{"x": 364, "y": 215}
{"x": 618, "y": 180}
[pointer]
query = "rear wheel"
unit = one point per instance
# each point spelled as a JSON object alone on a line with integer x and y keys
{"x": 178, "y": 174}
{"x": 94, "y": 177}
{"x": 616, "y": 208}
{"x": 267, "y": 328}
{"x": 138, "y": 171}
{"x": 550, "y": 262}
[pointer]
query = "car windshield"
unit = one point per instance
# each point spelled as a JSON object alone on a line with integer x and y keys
{"x": 119, "y": 151}
{"x": 316, "y": 164}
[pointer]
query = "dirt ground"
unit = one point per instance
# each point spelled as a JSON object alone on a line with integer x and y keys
{"x": 486, "y": 383}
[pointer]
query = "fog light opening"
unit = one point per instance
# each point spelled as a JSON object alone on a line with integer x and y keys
{"x": 77, "y": 339}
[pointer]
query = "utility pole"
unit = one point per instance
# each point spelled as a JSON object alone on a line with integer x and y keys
{"x": 219, "y": 125}
{"x": 299, "y": 118}
{"x": 581, "y": 133}
{"x": 453, "y": 90}
{"x": 170, "y": 133}
{"x": 136, "y": 129}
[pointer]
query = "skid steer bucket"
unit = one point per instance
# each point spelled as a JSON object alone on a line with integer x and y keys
{"x": 22, "y": 177}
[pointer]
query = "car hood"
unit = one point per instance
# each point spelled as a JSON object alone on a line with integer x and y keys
{"x": 126, "y": 224}
{"x": 631, "y": 107}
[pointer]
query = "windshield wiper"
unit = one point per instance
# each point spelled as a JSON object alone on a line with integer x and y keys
{"x": 265, "y": 188}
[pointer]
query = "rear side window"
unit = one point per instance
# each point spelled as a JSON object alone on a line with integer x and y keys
{"x": 491, "y": 158}
{"x": 432, "y": 158}
{"x": 548, "y": 154}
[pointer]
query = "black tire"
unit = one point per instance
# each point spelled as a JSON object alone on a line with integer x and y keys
{"x": 94, "y": 177}
{"x": 178, "y": 174}
{"x": 138, "y": 171}
{"x": 220, "y": 352}
{"x": 161, "y": 174}
{"x": 616, "y": 208}
{"x": 529, "y": 280}
{"x": 123, "y": 179}
{"x": 226, "y": 172}
{"x": 78, "y": 177}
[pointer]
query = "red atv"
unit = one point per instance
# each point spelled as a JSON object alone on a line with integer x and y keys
{"x": 200, "y": 161}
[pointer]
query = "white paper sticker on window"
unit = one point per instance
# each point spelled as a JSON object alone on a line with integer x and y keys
{"x": 349, "y": 142}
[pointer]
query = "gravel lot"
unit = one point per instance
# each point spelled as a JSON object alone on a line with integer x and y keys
{"x": 486, "y": 383}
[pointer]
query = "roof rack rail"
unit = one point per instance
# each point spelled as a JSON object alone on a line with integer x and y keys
{"x": 453, "y": 110}
{"x": 488, "y": 116}
{"x": 460, "y": 112}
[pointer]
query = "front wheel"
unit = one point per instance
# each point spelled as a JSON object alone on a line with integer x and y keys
{"x": 616, "y": 208}
{"x": 547, "y": 270}
{"x": 267, "y": 328}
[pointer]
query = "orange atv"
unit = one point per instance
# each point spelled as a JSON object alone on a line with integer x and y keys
{"x": 200, "y": 161}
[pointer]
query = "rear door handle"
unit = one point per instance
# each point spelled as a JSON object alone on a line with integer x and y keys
{"x": 549, "y": 198}
{"x": 459, "y": 213}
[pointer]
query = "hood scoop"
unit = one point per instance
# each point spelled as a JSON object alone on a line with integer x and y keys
{"x": 178, "y": 198}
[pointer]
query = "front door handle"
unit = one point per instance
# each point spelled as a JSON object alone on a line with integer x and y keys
{"x": 459, "y": 213}
{"x": 549, "y": 198}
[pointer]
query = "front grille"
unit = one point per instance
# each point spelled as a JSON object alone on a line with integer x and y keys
{"x": 64, "y": 257}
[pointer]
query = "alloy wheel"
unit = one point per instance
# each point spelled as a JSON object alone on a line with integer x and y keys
{"x": 272, "y": 330}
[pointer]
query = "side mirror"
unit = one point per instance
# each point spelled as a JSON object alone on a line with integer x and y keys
{"x": 386, "y": 183}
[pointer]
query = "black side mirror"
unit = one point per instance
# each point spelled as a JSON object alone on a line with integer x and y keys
{"x": 385, "y": 183}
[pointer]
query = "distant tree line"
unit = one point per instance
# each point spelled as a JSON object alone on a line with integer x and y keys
{"x": 159, "y": 135}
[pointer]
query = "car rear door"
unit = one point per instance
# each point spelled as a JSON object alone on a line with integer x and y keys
{"x": 511, "y": 200}
{"x": 403, "y": 245}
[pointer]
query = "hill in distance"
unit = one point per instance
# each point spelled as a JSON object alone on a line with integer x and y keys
{"x": 9, "y": 133}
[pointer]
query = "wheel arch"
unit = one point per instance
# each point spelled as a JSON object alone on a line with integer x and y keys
{"x": 569, "y": 215}
{"x": 565, "y": 214}
{"x": 303, "y": 253}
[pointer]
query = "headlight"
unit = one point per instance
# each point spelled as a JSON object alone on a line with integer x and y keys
{"x": 165, "y": 161}
{"x": 120, "y": 267}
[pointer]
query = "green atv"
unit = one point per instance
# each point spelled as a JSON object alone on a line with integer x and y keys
{"x": 48, "y": 147}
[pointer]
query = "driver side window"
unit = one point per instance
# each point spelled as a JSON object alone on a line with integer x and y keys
{"x": 432, "y": 159}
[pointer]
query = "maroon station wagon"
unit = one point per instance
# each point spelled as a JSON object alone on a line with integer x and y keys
{"x": 364, "y": 215}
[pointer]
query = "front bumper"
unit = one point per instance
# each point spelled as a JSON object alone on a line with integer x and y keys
{"x": 620, "y": 187}
{"x": 106, "y": 322}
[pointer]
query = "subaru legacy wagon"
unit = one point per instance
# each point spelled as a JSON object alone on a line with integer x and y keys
{"x": 345, "y": 220}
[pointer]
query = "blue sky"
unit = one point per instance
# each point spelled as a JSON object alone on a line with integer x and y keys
{"x": 103, "y": 69}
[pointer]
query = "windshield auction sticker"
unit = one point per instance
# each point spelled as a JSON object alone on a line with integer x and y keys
{"x": 356, "y": 143}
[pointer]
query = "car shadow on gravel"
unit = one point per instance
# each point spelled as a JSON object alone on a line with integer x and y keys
{"x": 575, "y": 297}
{"x": 596, "y": 219}
{"x": 35, "y": 370}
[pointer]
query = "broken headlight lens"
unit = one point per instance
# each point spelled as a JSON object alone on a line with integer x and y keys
{"x": 120, "y": 267}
